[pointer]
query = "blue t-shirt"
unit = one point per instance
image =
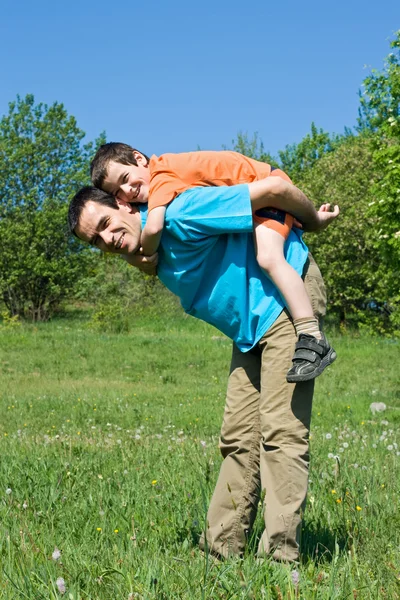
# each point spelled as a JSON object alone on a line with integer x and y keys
{"x": 207, "y": 258}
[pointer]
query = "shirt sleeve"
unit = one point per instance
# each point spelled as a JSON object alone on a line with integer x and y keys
{"x": 210, "y": 211}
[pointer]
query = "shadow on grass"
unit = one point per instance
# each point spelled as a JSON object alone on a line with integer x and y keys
{"x": 318, "y": 544}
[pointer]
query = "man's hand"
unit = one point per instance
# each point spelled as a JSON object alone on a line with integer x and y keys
{"x": 146, "y": 264}
{"x": 325, "y": 216}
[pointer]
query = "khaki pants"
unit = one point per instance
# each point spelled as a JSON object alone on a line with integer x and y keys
{"x": 264, "y": 443}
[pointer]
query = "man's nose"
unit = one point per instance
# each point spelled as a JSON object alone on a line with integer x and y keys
{"x": 108, "y": 238}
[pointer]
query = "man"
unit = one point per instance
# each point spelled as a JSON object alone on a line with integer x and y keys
{"x": 207, "y": 258}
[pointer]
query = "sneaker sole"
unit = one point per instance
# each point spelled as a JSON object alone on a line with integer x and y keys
{"x": 325, "y": 362}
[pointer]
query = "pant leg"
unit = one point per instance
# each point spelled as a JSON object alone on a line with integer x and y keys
{"x": 285, "y": 417}
{"x": 233, "y": 506}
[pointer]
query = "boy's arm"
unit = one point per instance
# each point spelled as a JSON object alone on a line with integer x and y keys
{"x": 278, "y": 193}
{"x": 152, "y": 231}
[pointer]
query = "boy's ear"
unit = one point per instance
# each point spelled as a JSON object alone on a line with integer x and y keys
{"x": 140, "y": 159}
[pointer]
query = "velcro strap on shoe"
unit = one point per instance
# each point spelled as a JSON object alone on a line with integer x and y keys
{"x": 305, "y": 354}
{"x": 308, "y": 344}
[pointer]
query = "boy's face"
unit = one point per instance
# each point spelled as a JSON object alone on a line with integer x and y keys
{"x": 129, "y": 183}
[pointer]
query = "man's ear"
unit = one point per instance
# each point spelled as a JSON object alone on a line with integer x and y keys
{"x": 123, "y": 205}
{"x": 140, "y": 159}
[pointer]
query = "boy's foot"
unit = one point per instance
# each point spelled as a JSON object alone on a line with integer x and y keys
{"x": 311, "y": 357}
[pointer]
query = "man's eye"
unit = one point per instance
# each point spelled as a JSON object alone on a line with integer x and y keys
{"x": 125, "y": 178}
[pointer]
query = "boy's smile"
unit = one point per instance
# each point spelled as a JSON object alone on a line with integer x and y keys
{"x": 129, "y": 183}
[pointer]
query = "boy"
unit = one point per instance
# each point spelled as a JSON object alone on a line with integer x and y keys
{"x": 132, "y": 177}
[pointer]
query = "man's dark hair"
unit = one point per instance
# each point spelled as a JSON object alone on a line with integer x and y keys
{"x": 81, "y": 198}
{"x": 112, "y": 151}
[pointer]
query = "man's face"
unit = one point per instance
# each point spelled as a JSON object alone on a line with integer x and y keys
{"x": 115, "y": 230}
{"x": 129, "y": 183}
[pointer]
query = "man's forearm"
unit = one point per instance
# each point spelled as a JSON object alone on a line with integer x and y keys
{"x": 278, "y": 193}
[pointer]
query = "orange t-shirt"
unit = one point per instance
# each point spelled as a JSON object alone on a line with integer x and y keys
{"x": 173, "y": 174}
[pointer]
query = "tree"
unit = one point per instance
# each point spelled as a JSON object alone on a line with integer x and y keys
{"x": 380, "y": 99}
{"x": 253, "y": 148}
{"x": 350, "y": 263}
{"x": 296, "y": 159}
{"x": 42, "y": 163}
{"x": 380, "y": 113}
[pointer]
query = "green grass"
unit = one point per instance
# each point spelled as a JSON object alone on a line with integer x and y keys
{"x": 109, "y": 452}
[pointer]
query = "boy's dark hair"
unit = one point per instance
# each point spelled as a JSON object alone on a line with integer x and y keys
{"x": 112, "y": 151}
{"x": 81, "y": 198}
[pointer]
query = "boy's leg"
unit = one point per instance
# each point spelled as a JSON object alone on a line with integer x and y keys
{"x": 313, "y": 352}
{"x": 270, "y": 257}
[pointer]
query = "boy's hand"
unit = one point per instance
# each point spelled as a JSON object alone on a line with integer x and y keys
{"x": 146, "y": 264}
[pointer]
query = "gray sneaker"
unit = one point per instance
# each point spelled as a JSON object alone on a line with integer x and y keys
{"x": 311, "y": 357}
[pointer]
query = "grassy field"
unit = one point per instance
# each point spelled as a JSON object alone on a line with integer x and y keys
{"x": 109, "y": 454}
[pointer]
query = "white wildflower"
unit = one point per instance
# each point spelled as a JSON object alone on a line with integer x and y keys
{"x": 60, "y": 583}
{"x": 8, "y": 491}
{"x": 377, "y": 407}
{"x": 295, "y": 578}
{"x": 56, "y": 555}
{"x": 328, "y": 436}
{"x": 345, "y": 445}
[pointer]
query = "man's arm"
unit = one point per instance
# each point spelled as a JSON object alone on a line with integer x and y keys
{"x": 152, "y": 231}
{"x": 278, "y": 193}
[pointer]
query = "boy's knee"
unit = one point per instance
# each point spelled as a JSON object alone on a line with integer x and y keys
{"x": 269, "y": 261}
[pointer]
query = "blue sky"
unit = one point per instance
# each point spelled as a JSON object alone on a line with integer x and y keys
{"x": 175, "y": 76}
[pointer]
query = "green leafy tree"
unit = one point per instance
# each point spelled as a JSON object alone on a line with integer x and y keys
{"x": 380, "y": 98}
{"x": 380, "y": 113}
{"x": 346, "y": 253}
{"x": 42, "y": 163}
{"x": 253, "y": 148}
{"x": 296, "y": 159}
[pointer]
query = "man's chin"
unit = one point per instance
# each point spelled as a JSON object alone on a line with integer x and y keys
{"x": 129, "y": 249}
